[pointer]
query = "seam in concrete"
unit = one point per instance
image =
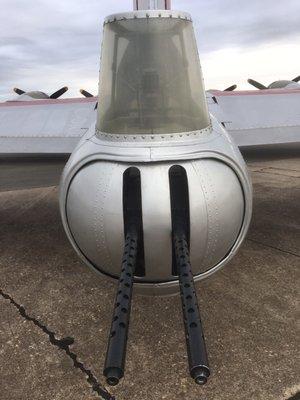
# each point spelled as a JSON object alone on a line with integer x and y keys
{"x": 63, "y": 344}
{"x": 274, "y": 247}
{"x": 263, "y": 171}
{"x": 284, "y": 169}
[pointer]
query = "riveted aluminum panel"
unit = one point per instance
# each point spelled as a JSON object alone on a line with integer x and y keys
{"x": 198, "y": 217}
{"x": 94, "y": 211}
{"x": 157, "y": 222}
{"x": 223, "y": 199}
{"x": 218, "y": 179}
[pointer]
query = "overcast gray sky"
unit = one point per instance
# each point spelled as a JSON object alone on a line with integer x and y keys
{"x": 46, "y": 44}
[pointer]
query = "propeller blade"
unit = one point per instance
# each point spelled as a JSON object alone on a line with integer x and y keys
{"x": 230, "y": 88}
{"x": 18, "y": 91}
{"x": 59, "y": 93}
{"x": 257, "y": 84}
{"x": 85, "y": 93}
{"x": 296, "y": 79}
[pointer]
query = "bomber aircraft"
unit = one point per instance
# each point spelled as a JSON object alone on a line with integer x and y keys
{"x": 156, "y": 194}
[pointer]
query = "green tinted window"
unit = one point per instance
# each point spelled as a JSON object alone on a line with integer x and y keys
{"x": 150, "y": 78}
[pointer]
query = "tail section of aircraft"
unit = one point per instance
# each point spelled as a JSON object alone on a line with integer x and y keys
{"x": 157, "y": 197}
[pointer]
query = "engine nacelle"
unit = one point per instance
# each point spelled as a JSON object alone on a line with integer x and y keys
{"x": 284, "y": 84}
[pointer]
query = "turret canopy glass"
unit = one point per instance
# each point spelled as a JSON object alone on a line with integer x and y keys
{"x": 150, "y": 78}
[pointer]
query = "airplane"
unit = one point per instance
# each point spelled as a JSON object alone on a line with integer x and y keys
{"x": 156, "y": 194}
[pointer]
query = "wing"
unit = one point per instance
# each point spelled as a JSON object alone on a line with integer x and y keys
{"x": 258, "y": 118}
{"x": 36, "y": 138}
{"x": 54, "y": 127}
{"x": 44, "y": 127}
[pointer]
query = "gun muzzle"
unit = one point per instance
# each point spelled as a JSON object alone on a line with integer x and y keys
{"x": 196, "y": 349}
{"x": 116, "y": 351}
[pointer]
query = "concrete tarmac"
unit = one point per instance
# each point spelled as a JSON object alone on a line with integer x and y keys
{"x": 56, "y": 313}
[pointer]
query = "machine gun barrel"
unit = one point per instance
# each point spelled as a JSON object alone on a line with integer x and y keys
{"x": 196, "y": 349}
{"x": 116, "y": 350}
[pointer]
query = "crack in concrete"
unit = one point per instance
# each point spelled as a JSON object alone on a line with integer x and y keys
{"x": 274, "y": 247}
{"x": 63, "y": 344}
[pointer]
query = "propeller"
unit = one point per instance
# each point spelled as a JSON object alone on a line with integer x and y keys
{"x": 18, "y": 91}
{"x": 297, "y": 79}
{"x": 85, "y": 93}
{"x": 230, "y": 88}
{"x": 256, "y": 84}
{"x": 59, "y": 92}
{"x": 54, "y": 95}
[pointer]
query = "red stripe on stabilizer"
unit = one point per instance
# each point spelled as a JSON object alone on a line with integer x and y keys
{"x": 254, "y": 92}
{"x": 49, "y": 101}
